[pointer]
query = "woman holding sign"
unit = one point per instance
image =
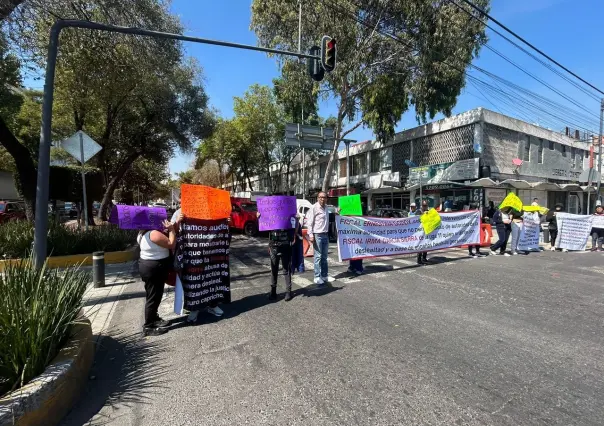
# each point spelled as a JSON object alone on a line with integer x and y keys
{"x": 153, "y": 265}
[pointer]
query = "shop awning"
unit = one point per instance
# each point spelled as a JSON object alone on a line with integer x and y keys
{"x": 484, "y": 183}
{"x": 546, "y": 186}
{"x": 570, "y": 187}
{"x": 517, "y": 183}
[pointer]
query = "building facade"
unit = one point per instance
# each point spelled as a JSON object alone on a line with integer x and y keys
{"x": 469, "y": 158}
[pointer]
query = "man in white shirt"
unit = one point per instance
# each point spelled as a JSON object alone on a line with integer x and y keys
{"x": 317, "y": 224}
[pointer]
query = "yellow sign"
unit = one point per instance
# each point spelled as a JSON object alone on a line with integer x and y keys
{"x": 512, "y": 201}
{"x": 430, "y": 221}
{"x": 531, "y": 209}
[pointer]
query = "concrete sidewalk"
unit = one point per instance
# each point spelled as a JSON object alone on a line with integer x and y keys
{"x": 100, "y": 303}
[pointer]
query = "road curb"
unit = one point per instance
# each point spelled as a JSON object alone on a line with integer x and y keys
{"x": 49, "y": 397}
{"x": 77, "y": 259}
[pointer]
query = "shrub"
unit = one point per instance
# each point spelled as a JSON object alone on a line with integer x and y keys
{"x": 16, "y": 239}
{"x": 37, "y": 309}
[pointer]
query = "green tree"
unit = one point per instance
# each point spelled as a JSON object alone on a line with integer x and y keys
{"x": 135, "y": 96}
{"x": 260, "y": 121}
{"x": 391, "y": 55}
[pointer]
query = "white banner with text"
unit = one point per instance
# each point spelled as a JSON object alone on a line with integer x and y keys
{"x": 365, "y": 237}
{"x": 573, "y": 231}
{"x": 529, "y": 235}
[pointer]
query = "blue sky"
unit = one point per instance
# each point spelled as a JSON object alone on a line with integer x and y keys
{"x": 567, "y": 30}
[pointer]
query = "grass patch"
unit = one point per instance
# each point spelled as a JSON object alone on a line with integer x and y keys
{"x": 16, "y": 239}
{"x": 37, "y": 310}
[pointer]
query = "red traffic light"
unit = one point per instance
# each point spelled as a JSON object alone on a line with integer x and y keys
{"x": 328, "y": 53}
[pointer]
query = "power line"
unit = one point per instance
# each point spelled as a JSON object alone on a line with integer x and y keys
{"x": 559, "y": 108}
{"x": 473, "y": 6}
{"x": 545, "y": 64}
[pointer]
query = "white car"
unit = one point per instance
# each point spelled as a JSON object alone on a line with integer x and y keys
{"x": 303, "y": 206}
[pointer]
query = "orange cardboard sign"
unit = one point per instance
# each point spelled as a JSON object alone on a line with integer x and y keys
{"x": 204, "y": 202}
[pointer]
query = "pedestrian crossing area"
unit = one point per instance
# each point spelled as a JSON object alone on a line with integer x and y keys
{"x": 244, "y": 260}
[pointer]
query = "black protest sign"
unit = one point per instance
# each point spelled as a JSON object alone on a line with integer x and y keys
{"x": 203, "y": 257}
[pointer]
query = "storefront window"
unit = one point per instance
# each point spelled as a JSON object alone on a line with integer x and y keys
{"x": 376, "y": 161}
{"x": 358, "y": 165}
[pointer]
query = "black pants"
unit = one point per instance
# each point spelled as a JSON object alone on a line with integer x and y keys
{"x": 283, "y": 254}
{"x": 470, "y": 248}
{"x": 596, "y": 237}
{"x": 553, "y": 234}
{"x": 422, "y": 256}
{"x": 154, "y": 273}
{"x": 503, "y": 234}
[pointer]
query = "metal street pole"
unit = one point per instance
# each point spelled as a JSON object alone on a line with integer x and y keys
{"x": 302, "y": 101}
{"x": 600, "y": 149}
{"x": 347, "y": 167}
{"x": 84, "y": 182}
{"x": 41, "y": 220}
{"x": 421, "y": 178}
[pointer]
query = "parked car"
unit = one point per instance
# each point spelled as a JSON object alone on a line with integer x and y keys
{"x": 70, "y": 210}
{"x": 388, "y": 212}
{"x": 11, "y": 210}
{"x": 243, "y": 216}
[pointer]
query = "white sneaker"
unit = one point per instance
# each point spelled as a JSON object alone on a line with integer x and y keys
{"x": 192, "y": 317}
{"x": 493, "y": 253}
{"x": 216, "y": 311}
{"x": 514, "y": 253}
{"x": 328, "y": 279}
{"x": 319, "y": 281}
{"x": 564, "y": 250}
{"x": 506, "y": 254}
{"x": 553, "y": 249}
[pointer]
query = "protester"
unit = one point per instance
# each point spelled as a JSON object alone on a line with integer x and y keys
{"x": 516, "y": 217}
{"x": 502, "y": 223}
{"x": 413, "y": 210}
{"x": 597, "y": 233}
{"x": 298, "y": 249}
{"x": 213, "y": 307}
{"x": 535, "y": 202}
{"x": 491, "y": 210}
{"x": 154, "y": 265}
{"x": 552, "y": 226}
{"x": 422, "y": 256}
{"x": 355, "y": 266}
{"x": 280, "y": 243}
{"x": 474, "y": 206}
{"x": 318, "y": 234}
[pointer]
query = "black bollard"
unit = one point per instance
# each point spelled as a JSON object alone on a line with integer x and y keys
{"x": 98, "y": 269}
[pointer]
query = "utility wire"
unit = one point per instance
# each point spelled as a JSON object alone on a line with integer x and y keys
{"x": 393, "y": 37}
{"x": 482, "y": 12}
{"x": 545, "y": 64}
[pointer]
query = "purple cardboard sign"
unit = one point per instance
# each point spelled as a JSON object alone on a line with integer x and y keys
{"x": 138, "y": 217}
{"x": 276, "y": 212}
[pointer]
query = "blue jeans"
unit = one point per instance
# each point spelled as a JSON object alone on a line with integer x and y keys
{"x": 321, "y": 246}
{"x": 515, "y": 236}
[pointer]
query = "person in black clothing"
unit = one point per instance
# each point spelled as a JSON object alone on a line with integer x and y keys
{"x": 422, "y": 256}
{"x": 552, "y": 225}
{"x": 280, "y": 249}
{"x": 491, "y": 210}
{"x": 476, "y": 247}
{"x": 503, "y": 226}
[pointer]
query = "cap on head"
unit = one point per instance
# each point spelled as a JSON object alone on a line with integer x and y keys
{"x": 413, "y": 205}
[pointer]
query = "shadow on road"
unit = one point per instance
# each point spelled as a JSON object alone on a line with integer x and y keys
{"x": 128, "y": 370}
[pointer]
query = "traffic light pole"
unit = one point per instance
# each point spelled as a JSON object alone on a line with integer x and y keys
{"x": 598, "y": 197}
{"x": 41, "y": 220}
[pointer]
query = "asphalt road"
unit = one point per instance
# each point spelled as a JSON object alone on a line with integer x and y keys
{"x": 491, "y": 341}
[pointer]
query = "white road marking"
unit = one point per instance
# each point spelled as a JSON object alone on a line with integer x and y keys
{"x": 300, "y": 281}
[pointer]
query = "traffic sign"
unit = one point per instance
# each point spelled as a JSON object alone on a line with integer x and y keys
{"x": 84, "y": 149}
{"x": 313, "y": 137}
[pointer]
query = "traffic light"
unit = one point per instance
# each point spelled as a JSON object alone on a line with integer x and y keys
{"x": 315, "y": 69}
{"x": 328, "y": 53}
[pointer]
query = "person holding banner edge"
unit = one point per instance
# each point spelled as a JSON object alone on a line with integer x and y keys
{"x": 153, "y": 266}
{"x": 503, "y": 226}
{"x": 552, "y": 226}
{"x": 597, "y": 234}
